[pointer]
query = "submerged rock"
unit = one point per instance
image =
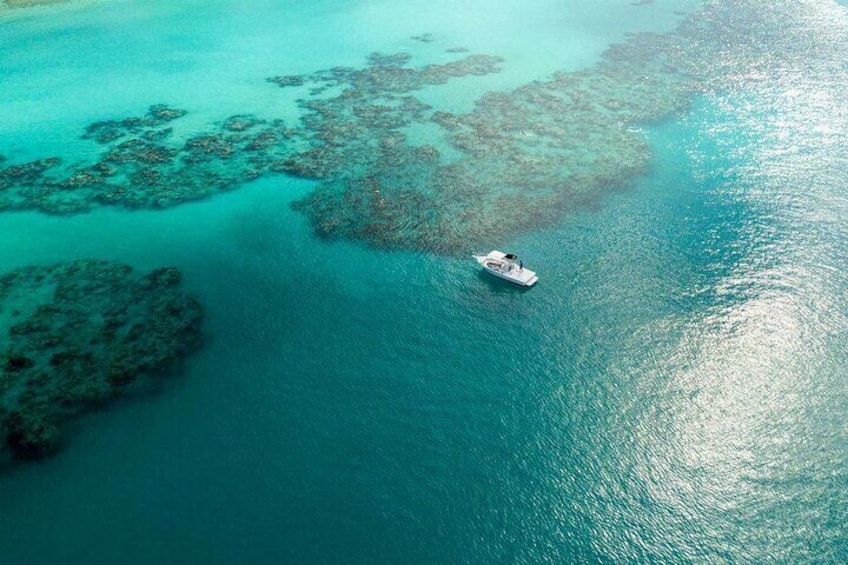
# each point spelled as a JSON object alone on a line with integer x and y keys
{"x": 287, "y": 80}
{"x": 78, "y": 335}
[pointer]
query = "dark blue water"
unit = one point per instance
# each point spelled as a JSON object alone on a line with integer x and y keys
{"x": 673, "y": 390}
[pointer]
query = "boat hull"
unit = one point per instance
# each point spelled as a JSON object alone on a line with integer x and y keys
{"x": 529, "y": 280}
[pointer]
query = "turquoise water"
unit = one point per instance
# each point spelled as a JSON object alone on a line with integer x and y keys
{"x": 674, "y": 389}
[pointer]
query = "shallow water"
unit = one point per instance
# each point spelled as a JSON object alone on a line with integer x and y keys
{"x": 673, "y": 390}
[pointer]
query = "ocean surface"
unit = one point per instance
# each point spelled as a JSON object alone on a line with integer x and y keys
{"x": 674, "y": 389}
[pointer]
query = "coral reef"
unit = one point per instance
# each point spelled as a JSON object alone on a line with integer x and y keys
{"x": 143, "y": 168}
{"x": 518, "y": 161}
{"x": 525, "y": 155}
{"x": 78, "y": 334}
{"x": 528, "y": 155}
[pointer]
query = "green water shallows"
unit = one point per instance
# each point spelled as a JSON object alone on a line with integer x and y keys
{"x": 673, "y": 390}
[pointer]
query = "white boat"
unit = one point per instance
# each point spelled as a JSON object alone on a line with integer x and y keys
{"x": 508, "y": 267}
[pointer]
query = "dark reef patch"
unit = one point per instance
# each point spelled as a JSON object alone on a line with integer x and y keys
{"x": 518, "y": 161}
{"x": 143, "y": 167}
{"x": 526, "y": 155}
{"x": 77, "y": 335}
{"x": 521, "y": 158}
{"x": 109, "y": 131}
